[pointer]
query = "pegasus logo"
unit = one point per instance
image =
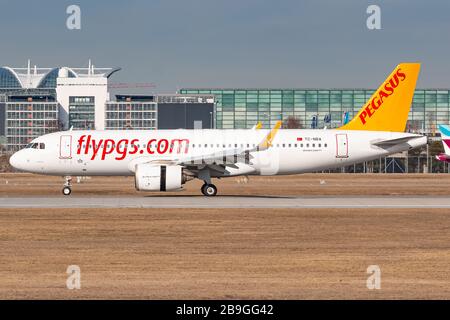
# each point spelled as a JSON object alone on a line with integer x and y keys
{"x": 382, "y": 94}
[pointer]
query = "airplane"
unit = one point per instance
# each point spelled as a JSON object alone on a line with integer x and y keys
{"x": 445, "y": 136}
{"x": 164, "y": 160}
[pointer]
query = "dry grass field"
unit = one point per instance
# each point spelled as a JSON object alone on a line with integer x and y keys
{"x": 227, "y": 253}
{"x": 224, "y": 254}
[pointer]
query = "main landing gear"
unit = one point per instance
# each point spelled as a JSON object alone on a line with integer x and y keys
{"x": 67, "y": 190}
{"x": 209, "y": 190}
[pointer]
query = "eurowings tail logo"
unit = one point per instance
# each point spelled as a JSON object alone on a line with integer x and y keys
{"x": 447, "y": 142}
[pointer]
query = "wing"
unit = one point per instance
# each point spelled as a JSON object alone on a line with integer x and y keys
{"x": 215, "y": 161}
{"x": 233, "y": 155}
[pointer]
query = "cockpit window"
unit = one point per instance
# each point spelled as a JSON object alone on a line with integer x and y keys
{"x": 35, "y": 145}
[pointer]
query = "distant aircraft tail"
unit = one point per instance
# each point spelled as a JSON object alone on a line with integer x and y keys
{"x": 445, "y": 136}
{"x": 388, "y": 108}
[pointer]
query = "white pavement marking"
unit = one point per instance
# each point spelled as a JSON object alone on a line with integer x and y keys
{"x": 226, "y": 202}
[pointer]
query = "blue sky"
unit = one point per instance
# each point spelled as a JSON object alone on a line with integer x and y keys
{"x": 247, "y": 43}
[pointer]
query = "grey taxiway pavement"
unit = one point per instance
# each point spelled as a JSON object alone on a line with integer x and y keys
{"x": 227, "y": 202}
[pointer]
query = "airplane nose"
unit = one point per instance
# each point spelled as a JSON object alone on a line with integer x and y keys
{"x": 14, "y": 161}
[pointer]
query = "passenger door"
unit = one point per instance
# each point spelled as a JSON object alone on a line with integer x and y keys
{"x": 65, "y": 147}
{"x": 341, "y": 145}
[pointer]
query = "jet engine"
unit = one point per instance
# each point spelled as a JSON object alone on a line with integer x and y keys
{"x": 150, "y": 177}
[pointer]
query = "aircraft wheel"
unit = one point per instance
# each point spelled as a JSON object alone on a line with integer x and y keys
{"x": 66, "y": 191}
{"x": 209, "y": 190}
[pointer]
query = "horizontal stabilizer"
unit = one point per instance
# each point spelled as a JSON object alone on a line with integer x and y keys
{"x": 393, "y": 142}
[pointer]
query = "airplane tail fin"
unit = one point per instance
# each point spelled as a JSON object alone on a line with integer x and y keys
{"x": 388, "y": 108}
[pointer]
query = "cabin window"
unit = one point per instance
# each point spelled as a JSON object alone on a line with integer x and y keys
{"x": 313, "y": 145}
{"x": 325, "y": 145}
{"x": 41, "y": 145}
{"x": 289, "y": 145}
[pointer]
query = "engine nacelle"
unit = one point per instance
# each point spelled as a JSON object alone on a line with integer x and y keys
{"x": 149, "y": 177}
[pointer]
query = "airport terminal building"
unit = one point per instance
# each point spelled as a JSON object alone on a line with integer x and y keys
{"x": 36, "y": 101}
{"x": 316, "y": 108}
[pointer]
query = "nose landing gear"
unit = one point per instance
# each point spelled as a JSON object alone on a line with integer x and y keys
{"x": 67, "y": 190}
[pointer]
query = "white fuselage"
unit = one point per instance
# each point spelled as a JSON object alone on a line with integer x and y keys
{"x": 116, "y": 153}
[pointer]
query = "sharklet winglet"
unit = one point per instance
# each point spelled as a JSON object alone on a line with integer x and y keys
{"x": 267, "y": 142}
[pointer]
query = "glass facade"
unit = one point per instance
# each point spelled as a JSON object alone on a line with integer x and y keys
{"x": 2, "y": 117}
{"x": 316, "y": 108}
{"x": 8, "y": 79}
{"x": 49, "y": 80}
{"x": 82, "y": 113}
{"x": 28, "y": 120}
{"x": 131, "y": 116}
